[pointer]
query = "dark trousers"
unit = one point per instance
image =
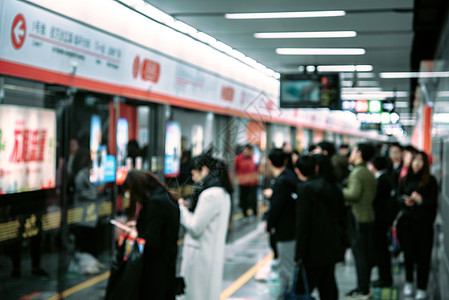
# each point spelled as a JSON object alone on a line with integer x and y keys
{"x": 382, "y": 256}
{"x": 248, "y": 199}
{"x": 363, "y": 254}
{"x": 15, "y": 252}
{"x": 416, "y": 241}
{"x": 323, "y": 279}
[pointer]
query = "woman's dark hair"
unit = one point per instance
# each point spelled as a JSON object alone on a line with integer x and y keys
{"x": 141, "y": 186}
{"x": 326, "y": 169}
{"x": 423, "y": 174}
{"x": 306, "y": 165}
{"x": 216, "y": 167}
{"x": 328, "y": 147}
{"x": 81, "y": 160}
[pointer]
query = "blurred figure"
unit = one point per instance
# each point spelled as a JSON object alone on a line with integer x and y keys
{"x": 325, "y": 148}
{"x": 74, "y": 147}
{"x": 281, "y": 216}
{"x": 311, "y": 149}
{"x": 408, "y": 154}
{"x": 247, "y": 172}
{"x": 319, "y": 215}
{"x": 84, "y": 192}
{"x": 361, "y": 191}
{"x": 158, "y": 224}
{"x": 206, "y": 228}
{"x": 341, "y": 163}
{"x": 417, "y": 194}
{"x": 186, "y": 164}
{"x": 384, "y": 209}
{"x": 133, "y": 150}
{"x": 395, "y": 155}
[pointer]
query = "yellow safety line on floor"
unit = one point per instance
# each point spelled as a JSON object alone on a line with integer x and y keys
{"x": 236, "y": 285}
{"x": 81, "y": 286}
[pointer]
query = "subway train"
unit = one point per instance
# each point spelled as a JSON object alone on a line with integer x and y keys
{"x": 105, "y": 87}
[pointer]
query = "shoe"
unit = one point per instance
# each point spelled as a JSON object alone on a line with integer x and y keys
{"x": 420, "y": 294}
{"x": 15, "y": 273}
{"x": 39, "y": 272}
{"x": 380, "y": 284}
{"x": 358, "y": 294}
{"x": 408, "y": 289}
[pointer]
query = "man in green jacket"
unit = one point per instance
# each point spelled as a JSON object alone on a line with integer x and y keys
{"x": 360, "y": 192}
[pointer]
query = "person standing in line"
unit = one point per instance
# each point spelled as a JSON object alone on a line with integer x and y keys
{"x": 281, "y": 216}
{"x": 408, "y": 154}
{"x": 417, "y": 195}
{"x": 384, "y": 208}
{"x": 206, "y": 228}
{"x": 247, "y": 172}
{"x": 360, "y": 192}
{"x": 320, "y": 208}
{"x": 158, "y": 225}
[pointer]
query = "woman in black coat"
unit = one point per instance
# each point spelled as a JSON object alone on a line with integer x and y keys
{"x": 158, "y": 224}
{"x": 417, "y": 192}
{"x": 320, "y": 207}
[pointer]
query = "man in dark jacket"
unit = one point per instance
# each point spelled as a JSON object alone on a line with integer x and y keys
{"x": 281, "y": 217}
{"x": 319, "y": 214}
{"x": 384, "y": 208}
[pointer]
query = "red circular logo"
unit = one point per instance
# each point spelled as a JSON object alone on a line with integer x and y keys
{"x": 136, "y": 66}
{"x": 18, "y": 31}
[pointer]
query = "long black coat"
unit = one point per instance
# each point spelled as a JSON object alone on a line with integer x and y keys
{"x": 319, "y": 223}
{"x": 158, "y": 224}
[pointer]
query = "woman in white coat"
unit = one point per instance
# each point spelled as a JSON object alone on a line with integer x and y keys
{"x": 206, "y": 228}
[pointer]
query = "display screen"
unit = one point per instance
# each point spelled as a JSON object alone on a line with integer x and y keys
{"x": 310, "y": 91}
{"x": 27, "y": 149}
{"x": 122, "y": 141}
{"x": 103, "y": 165}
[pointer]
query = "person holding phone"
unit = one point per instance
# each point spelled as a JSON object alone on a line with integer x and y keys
{"x": 206, "y": 228}
{"x": 417, "y": 195}
{"x": 158, "y": 224}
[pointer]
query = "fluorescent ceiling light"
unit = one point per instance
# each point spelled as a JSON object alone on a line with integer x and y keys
{"x": 305, "y": 35}
{"x": 401, "y": 104}
{"x": 223, "y": 47}
{"x": 359, "y": 83}
{"x": 414, "y": 74}
{"x": 379, "y": 95}
{"x": 184, "y": 28}
{"x": 360, "y": 90}
{"x": 283, "y": 15}
{"x": 205, "y": 38}
{"x": 346, "y": 68}
{"x": 442, "y": 94}
{"x": 359, "y": 75}
{"x": 238, "y": 54}
{"x": 320, "y": 51}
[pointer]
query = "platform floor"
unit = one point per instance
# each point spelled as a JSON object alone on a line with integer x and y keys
{"x": 247, "y": 273}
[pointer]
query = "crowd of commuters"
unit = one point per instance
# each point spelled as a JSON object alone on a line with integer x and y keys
{"x": 320, "y": 204}
{"x": 378, "y": 186}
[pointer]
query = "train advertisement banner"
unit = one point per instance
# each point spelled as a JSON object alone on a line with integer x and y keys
{"x": 27, "y": 149}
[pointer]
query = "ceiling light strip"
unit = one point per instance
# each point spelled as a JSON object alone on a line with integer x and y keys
{"x": 305, "y": 35}
{"x": 320, "y": 51}
{"x": 285, "y": 15}
{"x": 345, "y": 68}
{"x": 161, "y": 17}
{"x": 444, "y": 74}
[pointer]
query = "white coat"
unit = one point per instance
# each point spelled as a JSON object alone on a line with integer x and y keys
{"x": 204, "y": 244}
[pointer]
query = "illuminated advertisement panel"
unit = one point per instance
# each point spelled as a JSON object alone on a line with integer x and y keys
{"x": 27, "y": 149}
{"x": 122, "y": 141}
{"x": 103, "y": 164}
{"x": 172, "y": 162}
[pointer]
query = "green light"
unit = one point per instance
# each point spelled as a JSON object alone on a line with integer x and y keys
{"x": 374, "y": 106}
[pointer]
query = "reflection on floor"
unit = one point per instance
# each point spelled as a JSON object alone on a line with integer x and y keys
{"x": 244, "y": 278}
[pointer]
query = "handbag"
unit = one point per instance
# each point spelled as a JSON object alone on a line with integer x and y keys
{"x": 291, "y": 295}
{"x": 126, "y": 274}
